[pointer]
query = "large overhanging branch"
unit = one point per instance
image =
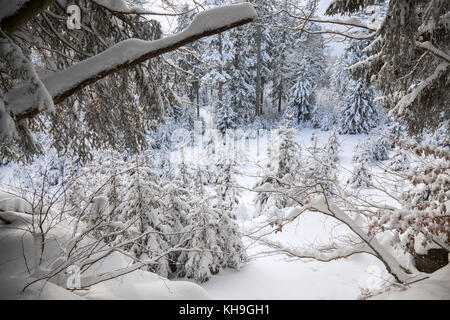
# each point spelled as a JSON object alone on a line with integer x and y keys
{"x": 367, "y": 244}
{"x": 127, "y": 54}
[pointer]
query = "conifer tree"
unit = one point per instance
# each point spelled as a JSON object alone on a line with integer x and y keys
{"x": 358, "y": 111}
{"x": 302, "y": 92}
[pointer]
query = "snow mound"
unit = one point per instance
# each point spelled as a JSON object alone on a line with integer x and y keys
{"x": 9, "y": 202}
{"x": 436, "y": 287}
{"x": 17, "y": 243}
{"x": 11, "y": 289}
{"x": 242, "y": 212}
{"x": 142, "y": 285}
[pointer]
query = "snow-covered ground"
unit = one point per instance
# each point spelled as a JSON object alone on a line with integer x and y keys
{"x": 277, "y": 277}
{"x": 16, "y": 256}
{"x": 263, "y": 277}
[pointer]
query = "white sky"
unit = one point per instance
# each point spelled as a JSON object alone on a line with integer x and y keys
{"x": 169, "y": 23}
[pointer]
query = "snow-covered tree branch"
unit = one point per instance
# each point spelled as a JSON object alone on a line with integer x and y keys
{"x": 124, "y": 55}
{"x": 24, "y": 98}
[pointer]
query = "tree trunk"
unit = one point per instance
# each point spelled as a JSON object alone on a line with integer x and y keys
{"x": 258, "y": 70}
{"x": 261, "y": 103}
{"x": 197, "y": 92}
{"x": 279, "y": 101}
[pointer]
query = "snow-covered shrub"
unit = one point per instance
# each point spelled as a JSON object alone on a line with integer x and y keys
{"x": 324, "y": 119}
{"x": 361, "y": 175}
{"x": 228, "y": 193}
{"x": 288, "y": 169}
{"x": 440, "y": 137}
{"x": 424, "y": 211}
{"x": 400, "y": 160}
{"x": 211, "y": 238}
{"x": 374, "y": 148}
{"x": 320, "y": 164}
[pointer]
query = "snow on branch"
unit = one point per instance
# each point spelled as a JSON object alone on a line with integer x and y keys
{"x": 351, "y": 22}
{"x": 357, "y": 224}
{"x": 120, "y": 6}
{"x": 16, "y": 13}
{"x": 127, "y": 54}
{"x": 402, "y": 106}
{"x": 316, "y": 253}
{"x": 435, "y": 51}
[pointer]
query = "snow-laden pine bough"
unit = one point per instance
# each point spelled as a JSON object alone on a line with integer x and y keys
{"x": 75, "y": 60}
{"x": 419, "y": 218}
{"x": 408, "y": 52}
{"x": 124, "y": 55}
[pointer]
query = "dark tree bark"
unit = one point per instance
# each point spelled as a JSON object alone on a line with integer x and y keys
{"x": 61, "y": 95}
{"x": 27, "y": 12}
{"x": 258, "y": 71}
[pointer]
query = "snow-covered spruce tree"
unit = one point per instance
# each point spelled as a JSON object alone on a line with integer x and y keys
{"x": 380, "y": 142}
{"x": 226, "y": 117}
{"x": 234, "y": 253}
{"x": 330, "y": 159}
{"x": 378, "y": 145}
{"x": 308, "y": 65}
{"x": 332, "y": 146}
{"x": 260, "y": 49}
{"x": 100, "y": 201}
{"x": 113, "y": 170}
{"x": 142, "y": 207}
{"x": 227, "y": 189}
{"x": 288, "y": 168}
{"x": 212, "y": 240}
{"x": 302, "y": 95}
{"x": 440, "y": 137}
{"x": 361, "y": 175}
{"x": 241, "y": 84}
{"x": 289, "y": 151}
{"x": 218, "y": 57}
{"x": 284, "y": 42}
{"x": 176, "y": 205}
{"x": 204, "y": 258}
{"x": 399, "y": 161}
{"x": 319, "y": 167}
{"x": 407, "y": 60}
{"x": 393, "y": 131}
{"x": 340, "y": 78}
{"x": 358, "y": 113}
{"x": 103, "y": 103}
